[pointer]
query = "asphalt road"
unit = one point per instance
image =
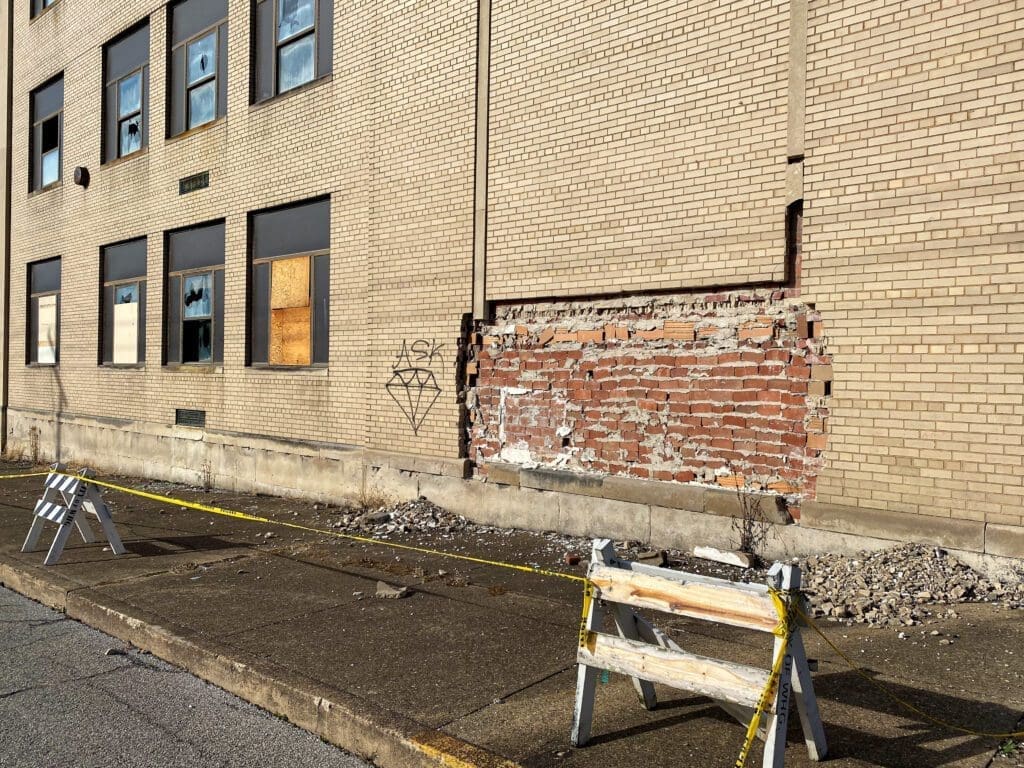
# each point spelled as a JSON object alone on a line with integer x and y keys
{"x": 64, "y": 702}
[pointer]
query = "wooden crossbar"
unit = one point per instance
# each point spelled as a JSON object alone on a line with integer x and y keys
{"x": 647, "y": 655}
{"x": 695, "y": 599}
{"x": 713, "y": 678}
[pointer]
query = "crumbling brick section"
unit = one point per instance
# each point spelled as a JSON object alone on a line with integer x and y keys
{"x": 728, "y": 389}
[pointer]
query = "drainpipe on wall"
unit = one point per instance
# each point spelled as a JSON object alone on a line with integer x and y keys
{"x": 7, "y": 78}
{"x": 483, "y": 100}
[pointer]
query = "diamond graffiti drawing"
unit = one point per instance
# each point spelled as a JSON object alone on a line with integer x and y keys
{"x": 415, "y": 390}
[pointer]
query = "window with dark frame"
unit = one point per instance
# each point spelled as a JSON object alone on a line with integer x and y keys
{"x": 198, "y": 64}
{"x": 38, "y": 6}
{"x": 47, "y": 137}
{"x": 194, "y": 317}
{"x": 126, "y": 93}
{"x": 293, "y": 44}
{"x": 289, "y": 296}
{"x": 123, "y": 279}
{"x": 42, "y": 338}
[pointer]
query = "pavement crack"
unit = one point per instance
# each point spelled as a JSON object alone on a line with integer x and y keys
{"x": 42, "y": 686}
{"x": 506, "y": 696}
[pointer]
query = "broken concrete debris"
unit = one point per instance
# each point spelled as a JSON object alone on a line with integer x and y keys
{"x": 387, "y": 592}
{"x": 739, "y": 559}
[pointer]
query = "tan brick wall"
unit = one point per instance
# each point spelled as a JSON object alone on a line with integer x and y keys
{"x": 388, "y": 135}
{"x": 636, "y": 145}
{"x": 913, "y": 252}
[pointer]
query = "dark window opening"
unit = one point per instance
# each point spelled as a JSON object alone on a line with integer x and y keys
{"x": 195, "y": 296}
{"x": 293, "y": 44}
{"x": 126, "y": 94}
{"x": 46, "y": 138}
{"x": 43, "y": 326}
{"x": 198, "y": 64}
{"x": 123, "y": 292}
{"x": 289, "y": 292}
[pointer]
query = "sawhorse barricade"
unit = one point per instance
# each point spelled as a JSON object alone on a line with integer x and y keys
{"x": 64, "y": 499}
{"x": 648, "y": 655}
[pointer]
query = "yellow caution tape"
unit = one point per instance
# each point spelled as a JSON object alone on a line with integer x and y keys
{"x": 899, "y": 700}
{"x": 587, "y": 591}
{"x": 783, "y": 630}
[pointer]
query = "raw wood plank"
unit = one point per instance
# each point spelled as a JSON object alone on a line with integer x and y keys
{"x": 290, "y": 339}
{"x": 682, "y": 577}
{"x": 716, "y": 679}
{"x": 709, "y": 602}
{"x": 289, "y": 283}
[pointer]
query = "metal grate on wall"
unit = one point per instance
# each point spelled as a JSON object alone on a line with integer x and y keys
{"x": 186, "y": 417}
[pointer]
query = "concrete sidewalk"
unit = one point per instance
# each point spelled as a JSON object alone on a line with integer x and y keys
{"x": 477, "y": 665}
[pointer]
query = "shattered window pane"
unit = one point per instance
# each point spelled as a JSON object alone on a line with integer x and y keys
{"x": 294, "y": 16}
{"x": 129, "y": 95}
{"x": 196, "y": 341}
{"x": 197, "y": 296}
{"x": 126, "y": 294}
{"x": 131, "y": 135}
{"x": 202, "y": 104}
{"x": 202, "y": 58}
{"x": 297, "y": 64}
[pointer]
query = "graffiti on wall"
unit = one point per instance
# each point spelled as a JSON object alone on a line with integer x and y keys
{"x": 413, "y": 385}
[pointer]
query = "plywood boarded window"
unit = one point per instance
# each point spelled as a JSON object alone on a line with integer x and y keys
{"x": 42, "y": 345}
{"x": 123, "y": 341}
{"x": 195, "y": 295}
{"x": 289, "y": 286}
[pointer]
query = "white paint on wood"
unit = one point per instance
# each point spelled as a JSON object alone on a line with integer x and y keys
{"x": 46, "y": 336}
{"x": 126, "y": 334}
{"x": 698, "y": 674}
{"x": 709, "y": 602}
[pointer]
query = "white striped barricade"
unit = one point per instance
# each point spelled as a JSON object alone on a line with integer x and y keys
{"x": 65, "y": 497}
{"x": 758, "y": 698}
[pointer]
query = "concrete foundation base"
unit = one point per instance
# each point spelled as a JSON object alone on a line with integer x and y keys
{"x": 670, "y": 515}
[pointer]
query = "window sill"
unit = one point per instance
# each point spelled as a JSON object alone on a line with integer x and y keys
{"x": 48, "y": 188}
{"x": 115, "y": 367}
{"x": 126, "y": 159}
{"x": 194, "y": 368}
{"x": 43, "y": 12}
{"x": 317, "y": 370}
{"x": 314, "y": 83}
{"x": 199, "y": 129}
{"x": 42, "y": 365}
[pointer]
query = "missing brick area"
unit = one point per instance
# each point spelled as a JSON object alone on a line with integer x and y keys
{"x": 729, "y": 389}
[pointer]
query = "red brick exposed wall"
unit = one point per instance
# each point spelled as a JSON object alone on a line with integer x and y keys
{"x": 730, "y": 390}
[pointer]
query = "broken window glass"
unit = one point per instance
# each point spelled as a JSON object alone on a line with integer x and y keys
{"x": 129, "y": 113}
{"x": 127, "y": 294}
{"x": 294, "y": 16}
{"x": 202, "y": 104}
{"x": 197, "y": 311}
{"x": 202, "y": 58}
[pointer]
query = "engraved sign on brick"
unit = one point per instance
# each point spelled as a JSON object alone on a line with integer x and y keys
{"x": 194, "y": 183}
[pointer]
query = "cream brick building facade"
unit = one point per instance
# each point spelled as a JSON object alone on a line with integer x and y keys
{"x": 786, "y": 233}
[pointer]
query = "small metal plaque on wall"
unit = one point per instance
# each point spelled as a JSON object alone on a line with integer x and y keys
{"x": 193, "y": 183}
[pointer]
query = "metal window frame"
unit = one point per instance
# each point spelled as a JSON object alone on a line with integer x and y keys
{"x": 180, "y": 298}
{"x": 32, "y": 345}
{"x": 279, "y": 44}
{"x": 311, "y": 255}
{"x": 109, "y": 307}
{"x": 215, "y": 76}
{"x": 37, "y": 151}
{"x": 141, "y": 112}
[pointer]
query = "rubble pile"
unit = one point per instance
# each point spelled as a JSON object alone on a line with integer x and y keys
{"x": 899, "y": 587}
{"x": 419, "y": 516}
